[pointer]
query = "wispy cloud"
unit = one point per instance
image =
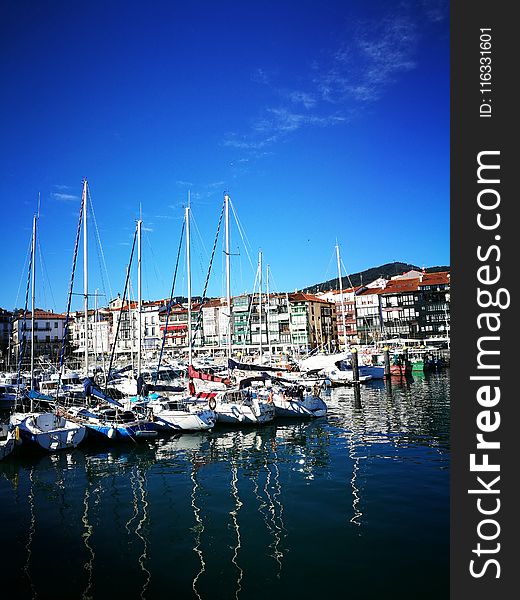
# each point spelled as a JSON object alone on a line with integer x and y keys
{"x": 340, "y": 84}
{"x": 297, "y": 97}
{"x": 64, "y": 197}
{"x": 261, "y": 76}
{"x": 200, "y": 193}
{"x": 360, "y": 71}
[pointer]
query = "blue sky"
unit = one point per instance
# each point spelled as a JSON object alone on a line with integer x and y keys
{"x": 323, "y": 121}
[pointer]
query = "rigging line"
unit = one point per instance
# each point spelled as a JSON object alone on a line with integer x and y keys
{"x": 23, "y": 342}
{"x": 100, "y": 246}
{"x": 347, "y": 275}
{"x": 23, "y": 271}
{"x": 271, "y": 279}
{"x": 242, "y": 235}
{"x": 170, "y": 302}
{"x": 155, "y": 264}
{"x": 43, "y": 266}
{"x": 107, "y": 377}
{"x": 203, "y": 299}
{"x": 200, "y": 236}
{"x": 328, "y": 266}
{"x": 250, "y": 312}
{"x": 71, "y": 287}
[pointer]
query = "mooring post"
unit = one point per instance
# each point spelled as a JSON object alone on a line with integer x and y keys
{"x": 357, "y": 395}
{"x": 355, "y": 366}
{"x": 355, "y": 378}
{"x": 406, "y": 369}
{"x": 387, "y": 361}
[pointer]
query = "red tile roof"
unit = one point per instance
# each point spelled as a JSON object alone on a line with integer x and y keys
{"x": 44, "y": 314}
{"x": 440, "y": 278}
{"x": 301, "y": 297}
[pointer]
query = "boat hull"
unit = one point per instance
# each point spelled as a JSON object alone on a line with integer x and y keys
{"x": 48, "y": 431}
{"x": 122, "y": 432}
{"x": 184, "y": 421}
{"x": 290, "y": 407}
{"x": 233, "y": 413}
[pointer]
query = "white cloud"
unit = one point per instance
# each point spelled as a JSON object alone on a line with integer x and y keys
{"x": 64, "y": 197}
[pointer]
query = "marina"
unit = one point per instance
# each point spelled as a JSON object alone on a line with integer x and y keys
{"x": 357, "y": 500}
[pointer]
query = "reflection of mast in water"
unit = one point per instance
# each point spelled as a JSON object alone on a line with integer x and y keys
{"x": 88, "y": 566}
{"x": 32, "y": 529}
{"x": 141, "y": 481}
{"x": 234, "y": 514}
{"x": 198, "y": 529}
{"x": 280, "y": 527}
{"x": 355, "y": 490}
{"x": 355, "y": 520}
{"x": 273, "y": 521}
{"x": 139, "y": 498}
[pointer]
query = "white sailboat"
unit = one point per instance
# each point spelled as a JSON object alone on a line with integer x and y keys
{"x": 240, "y": 406}
{"x": 47, "y": 430}
{"x": 177, "y": 413}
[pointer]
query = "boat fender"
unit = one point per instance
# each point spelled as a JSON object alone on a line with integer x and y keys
{"x": 111, "y": 433}
{"x": 17, "y": 433}
{"x": 270, "y": 398}
{"x": 212, "y": 403}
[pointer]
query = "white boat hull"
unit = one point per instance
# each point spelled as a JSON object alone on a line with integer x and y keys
{"x": 48, "y": 431}
{"x": 182, "y": 420}
{"x": 240, "y": 413}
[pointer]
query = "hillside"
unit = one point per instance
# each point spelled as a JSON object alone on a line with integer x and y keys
{"x": 388, "y": 270}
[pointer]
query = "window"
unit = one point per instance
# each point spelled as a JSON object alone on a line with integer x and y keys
{"x": 55, "y": 324}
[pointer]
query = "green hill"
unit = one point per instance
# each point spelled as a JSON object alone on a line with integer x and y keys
{"x": 388, "y": 270}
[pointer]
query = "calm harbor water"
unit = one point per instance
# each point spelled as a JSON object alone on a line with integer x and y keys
{"x": 352, "y": 505}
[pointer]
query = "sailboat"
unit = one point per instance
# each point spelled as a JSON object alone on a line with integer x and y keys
{"x": 108, "y": 419}
{"x": 175, "y": 413}
{"x": 239, "y": 406}
{"x": 47, "y": 430}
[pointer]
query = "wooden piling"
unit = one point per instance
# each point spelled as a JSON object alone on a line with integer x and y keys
{"x": 386, "y": 352}
{"x": 355, "y": 366}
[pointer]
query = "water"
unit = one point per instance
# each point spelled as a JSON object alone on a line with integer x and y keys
{"x": 352, "y": 505}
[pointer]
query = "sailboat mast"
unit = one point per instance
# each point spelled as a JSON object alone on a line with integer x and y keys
{"x": 267, "y": 305}
{"x": 188, "y": 269}
{"x": 139, "y": 298}
{"x": 228, "y": 278}
{"x": 260, "y": 301}
{"x": 33, "y": 288}
{"x": 85, "y": 271}
{"x": 341, "y": 299}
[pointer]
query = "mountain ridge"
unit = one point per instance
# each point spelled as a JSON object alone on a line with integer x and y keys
{"x": 387, "y": 270}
